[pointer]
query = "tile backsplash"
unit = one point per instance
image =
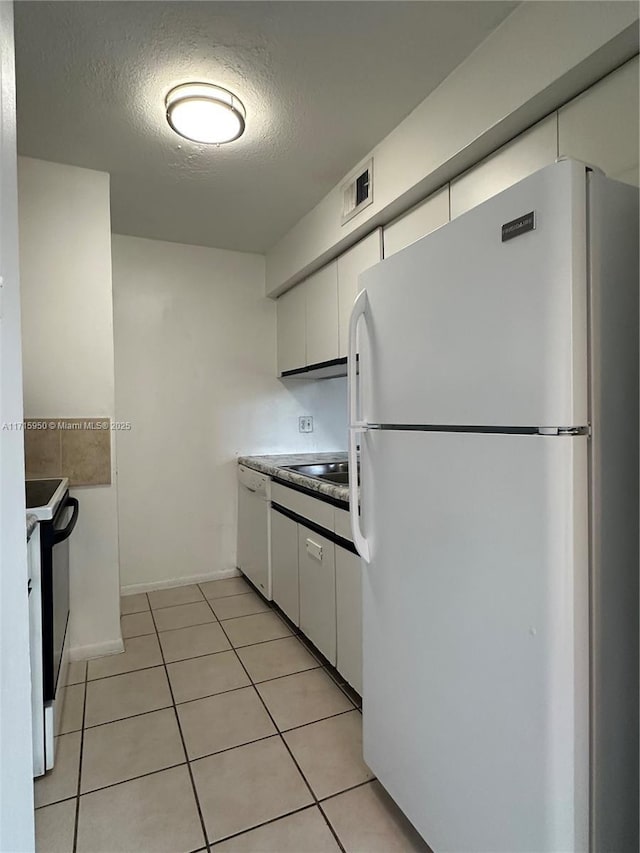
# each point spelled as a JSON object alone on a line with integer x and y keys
{"x": 77, "y": 448}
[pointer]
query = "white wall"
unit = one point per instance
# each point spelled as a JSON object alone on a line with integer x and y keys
{"x": 67, "y": 330}
{"x": 16, "y": 783}
{"x": 195, "y": 356}
{"x": 539, "y": 57}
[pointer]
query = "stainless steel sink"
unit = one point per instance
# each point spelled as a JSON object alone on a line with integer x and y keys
{"x": 341, "y": 477}
{"x": 331, "y": 472}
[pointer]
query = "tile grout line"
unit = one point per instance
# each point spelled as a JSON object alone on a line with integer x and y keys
{"x": 184, "y": 745}
{"x": 320, "y": 663}
{"x": 84, "y": 717}
{"x": 323, "y": 800}
{"x": 331, "y": 671}
{"x": 286, "y": 745}
{"x": 319, "y": 657}
{"x": 342, "y": 688}
{"x": 196, "y": 758}
{"x": 190, "y": 701}
{"x": 134, "y": 778}
{"x": 208, "y": 695}
{"x": 264, "y": 823}
{"x": 131, "y": 716}
{"x": 306, "y": 643}
{"x": 186, "y": 603}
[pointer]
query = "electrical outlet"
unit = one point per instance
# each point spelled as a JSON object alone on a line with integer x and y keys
{"x": 305, "y": 423}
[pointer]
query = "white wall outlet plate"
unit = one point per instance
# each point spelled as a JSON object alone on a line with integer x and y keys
{"x": 305, "y": 423}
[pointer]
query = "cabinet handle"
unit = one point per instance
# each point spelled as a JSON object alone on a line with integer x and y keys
{"x": 314, "y": 550}
{"x": 356, "y": 426}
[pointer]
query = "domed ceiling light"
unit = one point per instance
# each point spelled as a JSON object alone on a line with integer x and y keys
{"x": 205, "y": 113}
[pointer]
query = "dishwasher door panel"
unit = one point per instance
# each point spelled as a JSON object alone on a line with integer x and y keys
{"x": 253, "y": 538}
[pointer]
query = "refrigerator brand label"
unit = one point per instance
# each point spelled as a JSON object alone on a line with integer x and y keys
{"x": 518, "y": 226}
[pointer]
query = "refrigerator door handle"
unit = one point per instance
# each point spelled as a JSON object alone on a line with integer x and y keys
{"x": 359, "y": 540}
{"x": 357, "y": 313}
{"x": 356, "y": 426}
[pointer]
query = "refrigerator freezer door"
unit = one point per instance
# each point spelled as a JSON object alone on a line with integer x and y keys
{"x": 465, "y": 329}
{"x": 475, "y": 617}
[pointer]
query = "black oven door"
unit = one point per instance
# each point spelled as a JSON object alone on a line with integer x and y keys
{"x": 55, "y": 577}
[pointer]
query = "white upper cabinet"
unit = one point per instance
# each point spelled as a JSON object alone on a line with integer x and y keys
{"x": 321, "y": 291}
{"x": 601, "y": 125}
{"x": 418, "y": 222}
{"x": 356, "y": 260}
{"x": 516, "y": 160}
{"x": 313, "y": 317}
{"x": 291, "y": 307}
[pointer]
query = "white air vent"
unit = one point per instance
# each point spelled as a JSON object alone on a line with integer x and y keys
{"x": 357, "y": 192}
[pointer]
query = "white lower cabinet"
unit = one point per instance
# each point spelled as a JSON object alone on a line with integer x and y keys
{"x": 317, "y": 582}
{"x": 317, "y": 568}
{"x": 284, "y": 564}
{"x": 349, "y": 616}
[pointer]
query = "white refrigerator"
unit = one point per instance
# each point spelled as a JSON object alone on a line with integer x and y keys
{"x": 495, "y": 411}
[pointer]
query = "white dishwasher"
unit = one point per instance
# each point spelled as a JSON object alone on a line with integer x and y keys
{"x": 254, "y": 535}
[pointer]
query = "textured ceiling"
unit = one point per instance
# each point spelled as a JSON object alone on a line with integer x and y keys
{"x": 322, "y": 82}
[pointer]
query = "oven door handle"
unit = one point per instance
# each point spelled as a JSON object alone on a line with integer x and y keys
{"x": 65, "y": 533}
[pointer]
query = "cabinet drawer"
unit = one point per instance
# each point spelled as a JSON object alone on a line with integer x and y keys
{"x": 342, "y": 524}
{"x": 317, "y": 572}
{"x": 315, "y": 510}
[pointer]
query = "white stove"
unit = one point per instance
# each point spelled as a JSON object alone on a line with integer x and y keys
{"x": 57, "y": 514}
{"x": 44, "y": 495}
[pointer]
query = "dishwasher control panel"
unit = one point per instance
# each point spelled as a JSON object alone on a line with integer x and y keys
{"x": 254, "y": 481}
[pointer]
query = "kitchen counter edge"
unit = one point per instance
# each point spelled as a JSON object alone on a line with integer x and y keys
{"x": 275, "y": 466}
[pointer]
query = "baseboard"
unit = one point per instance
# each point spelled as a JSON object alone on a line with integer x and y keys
{"x": 133, "y": 588}
{"x": 96, "y": 650}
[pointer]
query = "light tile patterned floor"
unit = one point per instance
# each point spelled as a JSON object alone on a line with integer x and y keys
{"x": 217, "y": 729}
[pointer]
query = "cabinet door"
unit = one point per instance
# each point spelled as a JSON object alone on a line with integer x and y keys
{"x": 600, "y": 126}
{"x": 316, "y": 559}
{"x": 253, "y": 538}
{"x": 322, "y": 314}
{"x": 524, "y": 155}
{"x": 284, "y": 564}
{"x": 363, "y": 255}
{"x": 418, "y": 222}
{"x": 349, "y": 616}
{"x": 291, "y": 308}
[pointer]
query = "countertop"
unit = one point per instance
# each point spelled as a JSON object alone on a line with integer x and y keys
{"x": 275, "y": 466}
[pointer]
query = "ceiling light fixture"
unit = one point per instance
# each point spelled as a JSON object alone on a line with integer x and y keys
{"x": 206, "y": 113}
